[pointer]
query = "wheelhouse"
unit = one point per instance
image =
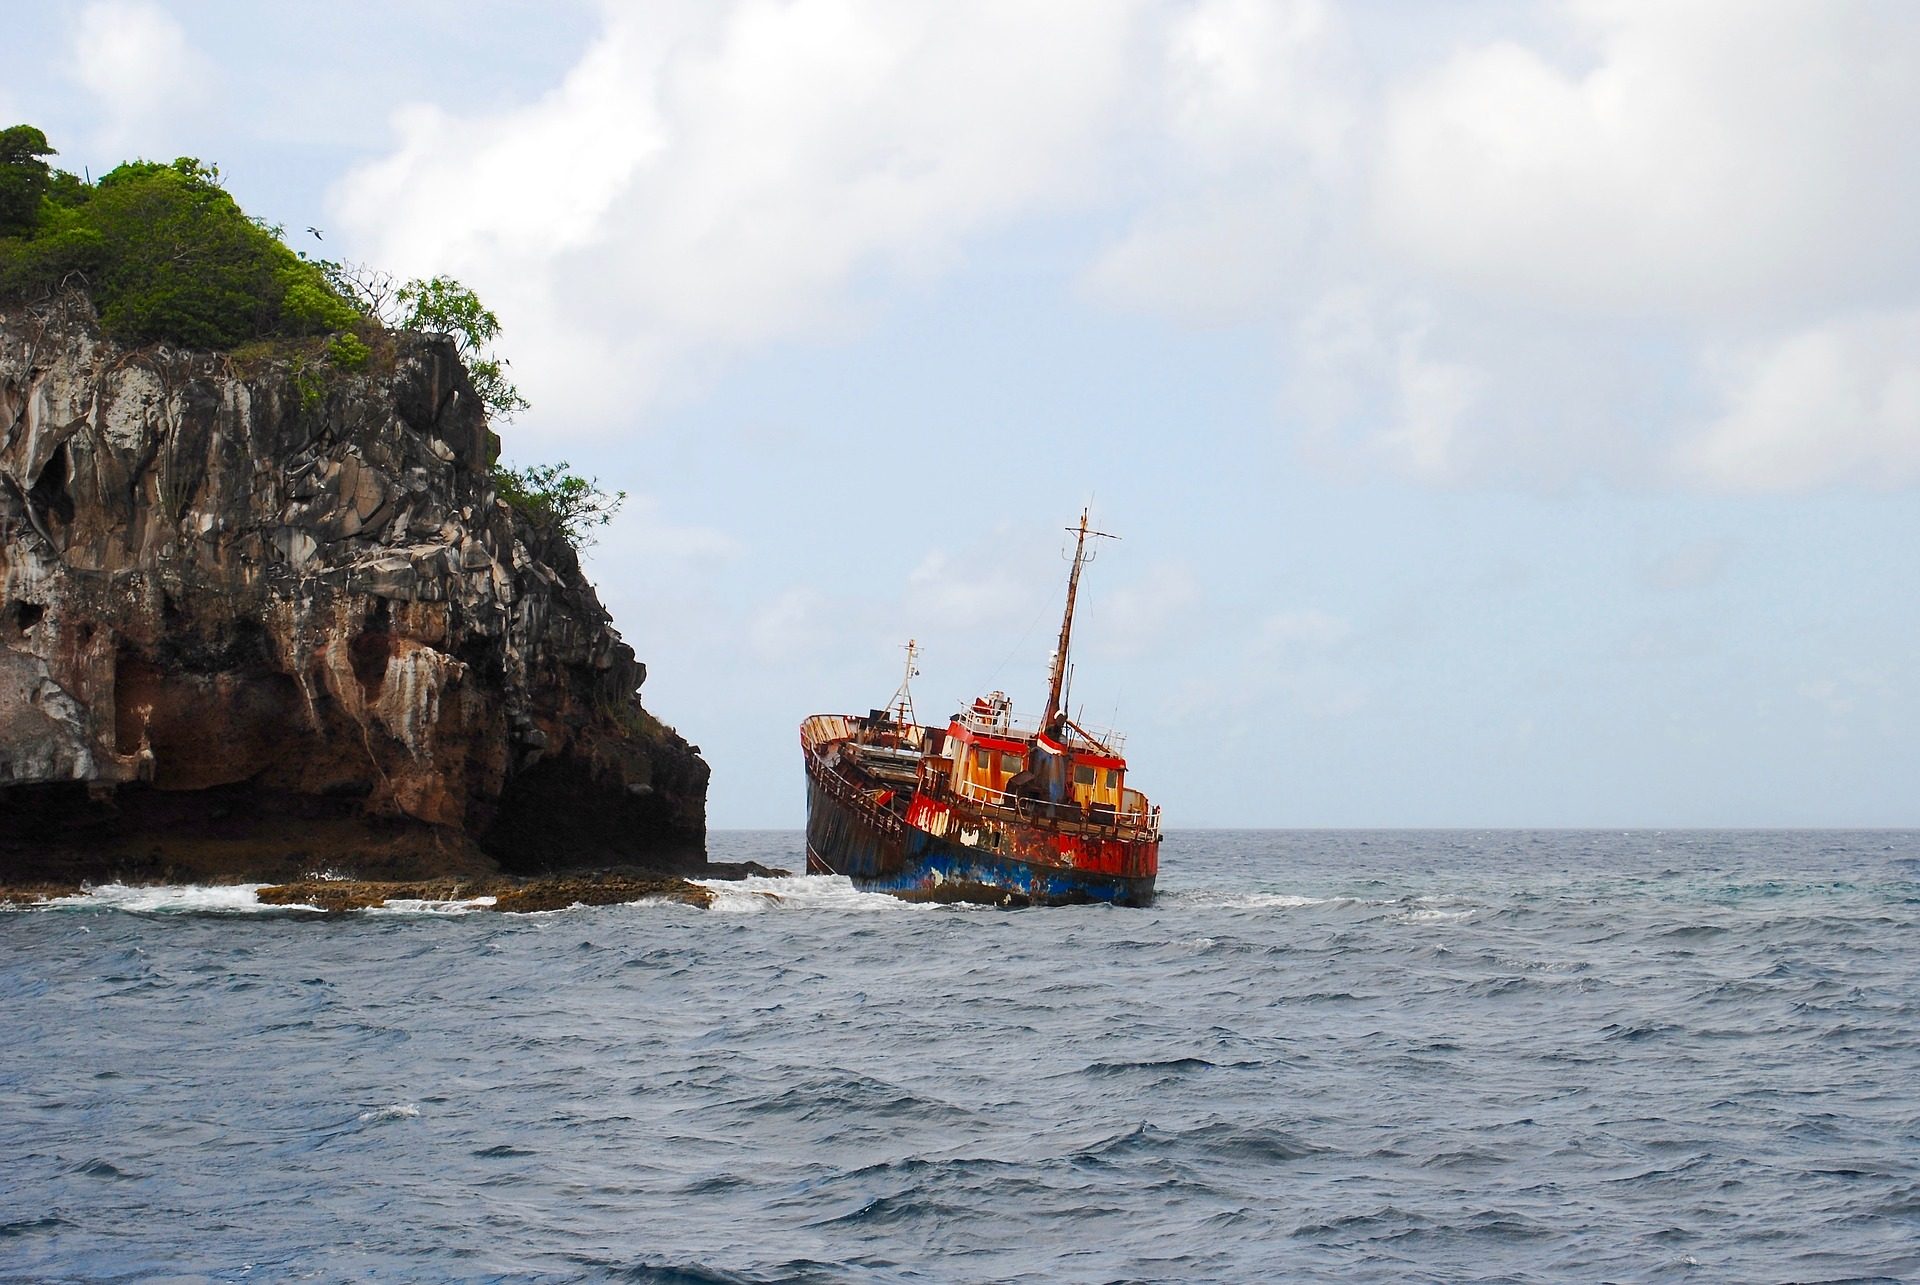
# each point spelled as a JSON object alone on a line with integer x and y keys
{"x": 1070, "y": 773}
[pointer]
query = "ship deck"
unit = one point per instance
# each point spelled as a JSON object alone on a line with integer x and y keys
{"x": 833, "y": 746}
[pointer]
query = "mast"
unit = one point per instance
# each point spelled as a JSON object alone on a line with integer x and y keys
{"x": 1057, "y": 679}
{"x": 901, "y": 706}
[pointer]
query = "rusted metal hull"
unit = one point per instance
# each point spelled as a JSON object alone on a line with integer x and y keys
{"x": 941, "y": 870}
{"x": 844, "y": 838}
{"x": 924, "y": 849}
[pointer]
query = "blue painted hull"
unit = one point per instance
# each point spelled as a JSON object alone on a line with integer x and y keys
{"x": 938, "y": 870}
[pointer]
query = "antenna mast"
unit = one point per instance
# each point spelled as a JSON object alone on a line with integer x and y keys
{"x": 901, "y": 706}
{"x": 1057, "y": 679}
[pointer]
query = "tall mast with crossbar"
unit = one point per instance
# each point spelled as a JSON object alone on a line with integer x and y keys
{"x": 1057, "y": 679}
{"x": 900, "y": 708}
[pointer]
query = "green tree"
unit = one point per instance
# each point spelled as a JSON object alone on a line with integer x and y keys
{"x": 188, "y": 265}
{"x": 167, "y": 254}
{"x": 24, "y": 178}
{"x": 554, "y": 499}
{"x": 446, "y": 307}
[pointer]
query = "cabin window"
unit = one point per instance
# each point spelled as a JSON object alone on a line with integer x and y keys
{"x": 1011, "y": 763}
{"x": 1083, "y": 776}
{"x": 980, "y": 760}
{"x": 1113, "y": 778}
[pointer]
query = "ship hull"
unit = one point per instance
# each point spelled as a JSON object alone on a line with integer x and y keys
{"x": 881, "y": 852}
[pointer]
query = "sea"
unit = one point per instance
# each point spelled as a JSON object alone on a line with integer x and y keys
{"x": 1406, "y": 1056}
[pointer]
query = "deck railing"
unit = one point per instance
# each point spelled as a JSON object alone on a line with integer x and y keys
{"x": 1103, "y": 740}
{"x": 813, "y": 739}
{"x": 1144, "y": 819}
{"x": 1000, "y": 723}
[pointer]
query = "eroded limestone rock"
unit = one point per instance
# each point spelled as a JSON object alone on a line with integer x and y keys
{"x": 236, "y": 623}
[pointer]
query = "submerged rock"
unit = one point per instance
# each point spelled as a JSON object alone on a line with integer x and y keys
{"x": 615, "y": 890}
{"x": 519, "y": 896}
{"x": 259, "y": 616}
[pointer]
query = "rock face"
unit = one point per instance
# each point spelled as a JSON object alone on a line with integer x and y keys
{"x": 258, "y": 616}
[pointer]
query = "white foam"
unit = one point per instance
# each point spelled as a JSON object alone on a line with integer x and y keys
{"x": 393, "y": 1111}
{"x": 420, "y": 906}
{"x": 174, "y": 899}
{"x": 1431, "y": 915}
{"x": 1224, "y": 900}
{"x": 1274, "y": 901}
{"x": 651, "y": 901}
{"x": 758, "y": 894}
{"x": 1432, "y": 909}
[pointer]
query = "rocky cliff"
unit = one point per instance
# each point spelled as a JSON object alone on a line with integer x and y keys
{"x": 262, "y": 617}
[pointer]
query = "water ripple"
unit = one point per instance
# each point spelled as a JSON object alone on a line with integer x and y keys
{"x": 1448, "y": 1055}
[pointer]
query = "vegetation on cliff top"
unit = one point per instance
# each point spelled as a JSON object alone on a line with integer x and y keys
{"x": 163, "y": 250}
{"x": 167, "y": 255}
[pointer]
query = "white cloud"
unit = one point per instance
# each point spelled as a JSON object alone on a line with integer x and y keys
{"x": 1256, "y": 116}
{"x": 1305, "y": 629}
{"x": 710, "y": 176}
{"x": 1432, "y": 397}
{"x": 1217, "y": 257}
{"x": 799, "y": 622}
{"x": 1371, "y": 382}
{"x": 1489, "y": 258}
{"x": 979, "y": 589}
{"x": 1141, "y": 616}
{"x": 1246, "y": 76}
{"x": 136, "y": 62}
{"x": 1291, "y": 658}
{"x": 1851, "y": 698}
{"x": 1833, "y": 404}
{"x": 1713, "y": 157}
{"x": 1515, "y": 263}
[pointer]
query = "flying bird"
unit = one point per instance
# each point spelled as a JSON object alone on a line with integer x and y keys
{"x": 316, "y": 234}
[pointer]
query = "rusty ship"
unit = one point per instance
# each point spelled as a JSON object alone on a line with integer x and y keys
{"x": 989, "y": 808}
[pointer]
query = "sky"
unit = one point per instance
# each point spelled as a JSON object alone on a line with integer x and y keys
{"x": 1510, "y": 411}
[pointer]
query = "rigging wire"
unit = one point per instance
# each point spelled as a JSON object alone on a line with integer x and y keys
{"x": 1038, "y": 612}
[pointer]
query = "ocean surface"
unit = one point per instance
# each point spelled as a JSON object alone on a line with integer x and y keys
{"x": 1533, "y": 1056}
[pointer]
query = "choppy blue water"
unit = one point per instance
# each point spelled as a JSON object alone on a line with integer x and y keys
{"x": 1520, "y": 1055}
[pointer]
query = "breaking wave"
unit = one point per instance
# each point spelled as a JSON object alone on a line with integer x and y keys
{"x": 832, "y": 893}
{"x": 173, "y": 899}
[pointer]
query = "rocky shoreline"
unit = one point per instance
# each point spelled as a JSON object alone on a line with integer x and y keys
{"x": 505, "y": 894}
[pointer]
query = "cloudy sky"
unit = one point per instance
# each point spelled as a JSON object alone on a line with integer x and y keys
{"x": 1512, "y": 410}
